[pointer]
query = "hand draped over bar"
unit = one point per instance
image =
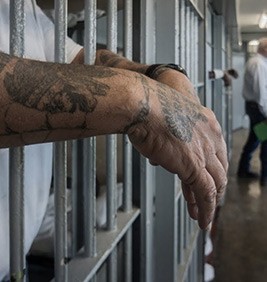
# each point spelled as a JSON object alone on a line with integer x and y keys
{"x": 187, "y": 139}
{"x": 43, "y": 102}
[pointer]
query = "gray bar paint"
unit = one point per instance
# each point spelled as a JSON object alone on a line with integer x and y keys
{"x": 16, "y": 160}
{"x": 60, "y": 160}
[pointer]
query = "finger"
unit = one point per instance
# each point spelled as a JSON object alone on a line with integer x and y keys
{"x": 222, "y": 155}
{"x": 217, "y": 171}
{"x": 191, "y": 202}
{"x": 193, "y": 210}
{"x": 188, "y": 194}
{"x": 205, "y": 193}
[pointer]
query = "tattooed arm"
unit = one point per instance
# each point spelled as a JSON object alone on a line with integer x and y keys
{"x": 172, "y": 78}
{"x": 43, "y": 102}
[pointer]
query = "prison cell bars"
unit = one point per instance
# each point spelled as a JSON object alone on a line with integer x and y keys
{"x": 60, "y": 158}
{"x": 127, "y": 149}
{"x": 84, "y": 266}
{"x": 89, "y": 145}
{"x": 190, "y": 15}
{"x": 167, "y": 185}
{"x": 111, "y": 149}
{"x": 147, "y": 173}
{"x": 175, "y": 260}
{"x": 16, "y": 161}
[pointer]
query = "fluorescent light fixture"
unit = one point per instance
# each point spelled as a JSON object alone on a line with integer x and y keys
{"x": 263, "y": 20}
{"x": 254, "y": 43}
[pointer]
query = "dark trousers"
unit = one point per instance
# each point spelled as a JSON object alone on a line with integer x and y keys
{"x": 255, "y": 116}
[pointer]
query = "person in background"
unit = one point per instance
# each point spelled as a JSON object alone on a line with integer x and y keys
{"x": 255, "y": 95}
{"x": 155, "y": 106}
{"x": 226, "y": 75}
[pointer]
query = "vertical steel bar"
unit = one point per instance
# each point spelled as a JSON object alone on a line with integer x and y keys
{"x": 188, "y": 29}
{"x": 147, "y": 173}
{"x": 187, "y": 64}
{"x": 128, "y": 261}
{"x": 180, "y": 258}
{"x": 16, "y": 206}
{"x": 191, "y": 66}
{"x": 186, "y": 239}
{"x": 127, "y": 165}
{"x": 182, "y": 33}
{"x": 16, "y": 161}
{"x": 74, "y": 199}
{"x": 60, "y": 211}
{"x": 196, "y": 49}
{"x": 89, "y": 145}
{"x": 193, "y": 46}
{"x": 127, "y": 148}
{"x": 112, "y": 266}
{"x": 60, "y": 161}
{"x": 111, "y": 149}
{"x": 183, "y": 58}
{"x": 167, "y": 30}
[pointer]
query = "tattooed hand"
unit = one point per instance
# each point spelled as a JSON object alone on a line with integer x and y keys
{"x": 177, "y": 81}
{"x": 184, "y": 137}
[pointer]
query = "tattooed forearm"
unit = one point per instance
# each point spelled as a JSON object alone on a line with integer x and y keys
{"x": 45, "y": 87}
{"x": 41, "y": 97}
{"x": 107, "y": 58}
{"x": 179, "y": 117}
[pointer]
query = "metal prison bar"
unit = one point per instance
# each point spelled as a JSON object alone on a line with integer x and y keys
{"x": 169, "y": 250}
{"x": 16, "y": 161}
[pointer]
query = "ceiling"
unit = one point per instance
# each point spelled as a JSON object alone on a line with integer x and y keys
{"x": 249, "y": 12}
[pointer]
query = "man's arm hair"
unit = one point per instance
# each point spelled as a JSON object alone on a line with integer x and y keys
{"x": 43, "y": 102}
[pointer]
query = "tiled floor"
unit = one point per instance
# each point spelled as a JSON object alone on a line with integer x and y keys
{"x": 241, "y": 249}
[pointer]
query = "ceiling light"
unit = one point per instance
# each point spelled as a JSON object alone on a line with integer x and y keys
{"x": 254, "y": 43}
{"x": 263, "y": 21}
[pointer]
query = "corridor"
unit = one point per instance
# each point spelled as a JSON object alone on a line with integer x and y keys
{"x": 241, "y": 254}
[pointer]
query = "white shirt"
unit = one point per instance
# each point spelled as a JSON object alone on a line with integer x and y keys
{"x": 255, "y": 81}
{"x": 39, "y": 45}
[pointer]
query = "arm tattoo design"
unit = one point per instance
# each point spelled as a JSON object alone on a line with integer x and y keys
{"x": 180, "y": 118}
{"x": 144, "y": 106}
{"x": 52, "y": 89}
{"x": 47, "y": 90}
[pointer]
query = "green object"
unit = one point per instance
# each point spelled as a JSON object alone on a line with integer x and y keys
{"x": 260, "y": 130}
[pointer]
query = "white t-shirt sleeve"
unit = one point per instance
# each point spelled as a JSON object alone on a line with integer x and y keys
{"x": 48, "y": 29}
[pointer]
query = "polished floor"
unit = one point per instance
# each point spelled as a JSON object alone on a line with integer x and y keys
{"x": 241, "y": 248}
